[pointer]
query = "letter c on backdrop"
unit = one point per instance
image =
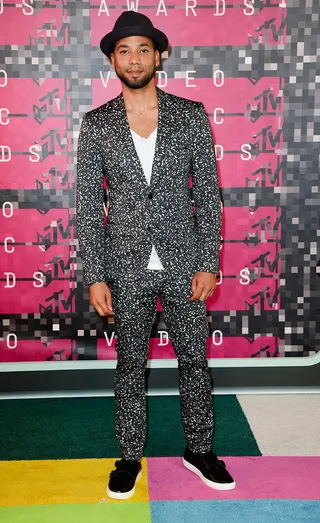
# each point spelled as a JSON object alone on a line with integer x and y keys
{"x": 5, "y": 111}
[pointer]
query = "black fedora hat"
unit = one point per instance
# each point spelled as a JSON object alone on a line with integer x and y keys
{"x": 131, "y": 23}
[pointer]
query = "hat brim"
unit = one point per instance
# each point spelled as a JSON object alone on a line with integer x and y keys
{"x": 108, "y": 41}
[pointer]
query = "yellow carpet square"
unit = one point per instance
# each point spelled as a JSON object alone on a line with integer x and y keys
{"x": 45, "y": 482}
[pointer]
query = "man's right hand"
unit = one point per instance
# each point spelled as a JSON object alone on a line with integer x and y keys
{"x": 100, "y": 298}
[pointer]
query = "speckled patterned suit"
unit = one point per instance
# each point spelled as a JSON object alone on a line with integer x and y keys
{"x": 139, "y": 215}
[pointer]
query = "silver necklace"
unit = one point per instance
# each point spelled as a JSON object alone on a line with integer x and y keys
{"x": 142, "y": 112}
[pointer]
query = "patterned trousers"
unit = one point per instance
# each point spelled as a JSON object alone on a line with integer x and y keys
{"x": 134, "y": 300}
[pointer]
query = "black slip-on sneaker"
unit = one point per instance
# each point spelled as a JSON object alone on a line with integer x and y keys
{"x": 210, "y": 469}
{"x": 123, "y": 479}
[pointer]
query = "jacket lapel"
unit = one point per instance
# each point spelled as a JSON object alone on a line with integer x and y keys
{"x": 165, "y": 121}
{"x": 123, "y": 142}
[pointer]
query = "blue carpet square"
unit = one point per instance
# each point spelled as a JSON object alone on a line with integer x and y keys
{"x": 236, "y": 511}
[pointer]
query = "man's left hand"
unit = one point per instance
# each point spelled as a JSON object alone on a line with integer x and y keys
{"x": 203, "y": 285}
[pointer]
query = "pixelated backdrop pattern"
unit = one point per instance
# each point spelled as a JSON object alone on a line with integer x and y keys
{"x": 254, "y": 66}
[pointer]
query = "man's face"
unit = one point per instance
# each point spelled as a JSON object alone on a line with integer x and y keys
{"x": 135, "y": 61}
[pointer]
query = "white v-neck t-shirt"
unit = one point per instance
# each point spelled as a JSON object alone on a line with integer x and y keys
{"x": 145, "y": 148}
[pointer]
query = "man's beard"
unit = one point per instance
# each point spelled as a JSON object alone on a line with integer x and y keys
{"x": 137, "y": 83}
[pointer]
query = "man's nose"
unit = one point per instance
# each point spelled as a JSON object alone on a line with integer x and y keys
{"x": 134, "y": 57}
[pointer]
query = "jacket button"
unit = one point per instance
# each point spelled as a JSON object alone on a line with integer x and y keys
{"x": 150, "y": 195}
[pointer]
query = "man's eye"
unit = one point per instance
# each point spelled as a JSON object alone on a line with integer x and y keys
{"x": 145, "y": 50}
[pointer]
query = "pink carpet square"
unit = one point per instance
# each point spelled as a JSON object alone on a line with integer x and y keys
{"x": 259, "y": 477}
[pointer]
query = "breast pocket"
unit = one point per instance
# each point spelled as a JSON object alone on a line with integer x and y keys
{"x": 114, "y": 161}
{"x": 179, "y": 154}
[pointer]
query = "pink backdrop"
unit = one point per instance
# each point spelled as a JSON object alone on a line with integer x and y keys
{"x": 43, "y": 303}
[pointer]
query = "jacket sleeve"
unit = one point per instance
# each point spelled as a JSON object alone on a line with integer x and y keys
{"x": 205, "y": 192}
{"x": 89, "y": 203}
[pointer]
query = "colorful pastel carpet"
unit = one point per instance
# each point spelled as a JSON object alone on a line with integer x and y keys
{"x": 56, "y": 456}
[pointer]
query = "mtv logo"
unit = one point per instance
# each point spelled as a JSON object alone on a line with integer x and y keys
{"x": 48, "y": 34}
{"x": 264, "y": 103}
{"x": 270, "y": 32}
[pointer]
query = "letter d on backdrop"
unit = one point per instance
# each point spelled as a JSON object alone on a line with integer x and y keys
{"x": 5, "y": 153}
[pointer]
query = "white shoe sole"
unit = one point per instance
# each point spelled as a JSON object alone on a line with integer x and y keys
{"x": 211, "y": 484}
{"x": 123, "y": 495}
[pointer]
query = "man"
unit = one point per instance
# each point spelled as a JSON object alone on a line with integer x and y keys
{"x": 147, "y": 143}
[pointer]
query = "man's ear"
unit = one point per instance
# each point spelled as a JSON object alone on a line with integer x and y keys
{"x": 157, "y": 58}
{"x": 112, "y": 60}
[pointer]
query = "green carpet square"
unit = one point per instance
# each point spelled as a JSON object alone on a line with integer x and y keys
{"x": 61, "y": 428}
{"x": 100, "y": 513}
{"x": 232, "y": 434}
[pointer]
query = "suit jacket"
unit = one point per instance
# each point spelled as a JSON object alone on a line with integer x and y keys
{"x": 139, "y": 214}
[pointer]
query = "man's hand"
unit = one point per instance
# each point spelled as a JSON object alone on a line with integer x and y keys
{"x": 100, "y": 298}
{"x": 203, "y": 285}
